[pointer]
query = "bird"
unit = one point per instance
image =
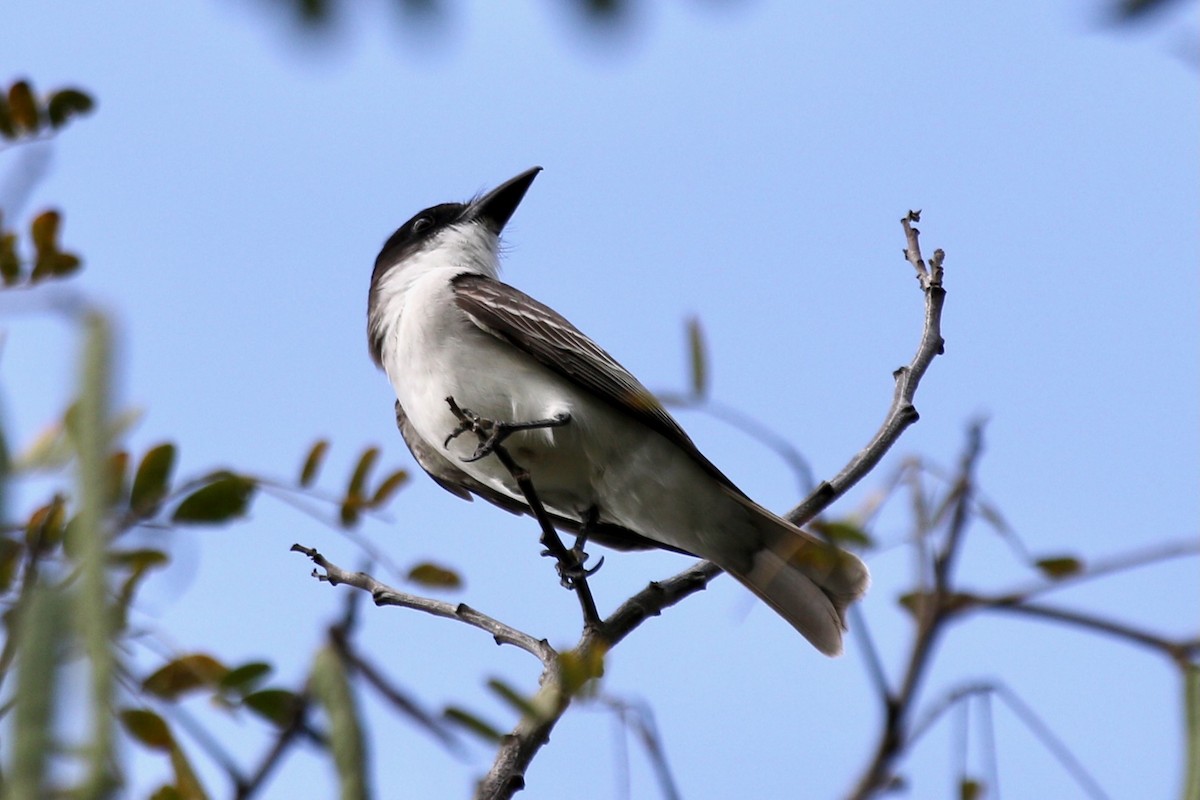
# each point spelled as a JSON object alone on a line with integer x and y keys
{"x": 603, "y": 455}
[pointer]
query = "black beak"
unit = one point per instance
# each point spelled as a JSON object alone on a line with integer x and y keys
{"x": 498, "y": 205}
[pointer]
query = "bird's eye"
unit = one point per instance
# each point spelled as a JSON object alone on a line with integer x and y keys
{"x": 421, "y": 224}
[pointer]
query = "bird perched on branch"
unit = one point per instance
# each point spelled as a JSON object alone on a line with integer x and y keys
{"x": 604, "y": 456}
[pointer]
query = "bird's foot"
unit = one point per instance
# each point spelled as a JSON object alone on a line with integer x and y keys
{"x": 571, "y": 569}
{"x": 492, "y": 433}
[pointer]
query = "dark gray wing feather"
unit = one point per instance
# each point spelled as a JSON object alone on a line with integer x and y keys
{"x": 459, "y": 483}
{"x": 540, "y": 331}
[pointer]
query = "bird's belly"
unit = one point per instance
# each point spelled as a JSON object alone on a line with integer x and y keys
{"x": 497, "y": 382}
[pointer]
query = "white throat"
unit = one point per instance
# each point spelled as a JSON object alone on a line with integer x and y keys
{"x": 468, "y": 247}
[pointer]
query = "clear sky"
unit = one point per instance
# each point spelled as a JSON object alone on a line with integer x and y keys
{"x": 744, "y": 162}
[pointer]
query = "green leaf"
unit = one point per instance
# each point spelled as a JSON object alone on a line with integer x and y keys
{"x": 10, "y": 263}
{"x": 140, "y": 563}
{"x": 472, "y": 723}
{"x": 67, "y": 103}
{"x": 970, "y": 789}
{"x": 331, "y": 688}
{"x": 44, "y": 230}
{"x": 55, "y": 265}
{"x": 578, "y": 667}
{"x": 153, "y": 480}
{"x": 118, "y": 472}
{"x": 520, "y": 702}
{"x": 699, "y": 358}
{"x": 10, "y": 559}
{"x": 242, "y": 680}
{"x": 312, "y": 464}
{"x": 7, "y": 125}
{"x": 355, "y": 491}
{"x": 47, "y": 525}
{"x": 434, "y": 576}
{"x": 148, "y": 728}
{"x": 185, "y": 674}
{"x": 187, "y": 784}
{"x": 226, "y": 498}
{"x": 278, "y": 706}
{"x": 23, "y": 108}
{"x": 1059, "y": 567}
{"x": 389, "y": 487}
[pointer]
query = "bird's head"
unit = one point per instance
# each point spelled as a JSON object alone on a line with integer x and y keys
{"x": 461, "y": 236}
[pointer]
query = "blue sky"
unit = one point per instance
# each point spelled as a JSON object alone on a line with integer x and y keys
{"x": 744, "y": 162}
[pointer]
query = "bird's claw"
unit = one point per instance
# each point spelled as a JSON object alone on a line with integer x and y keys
{"x": 492, "y": 433}
{"x": 572, "y": 572}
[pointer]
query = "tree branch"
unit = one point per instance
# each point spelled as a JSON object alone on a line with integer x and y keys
{"x": 932, "y": 610}
{"x": 902, "y": 412}
{"x": 385, "y": 595}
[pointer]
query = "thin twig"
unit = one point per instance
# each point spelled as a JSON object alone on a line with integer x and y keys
{"x": 1178, "y": 651}
{"x": 902, "y": 412}
{"x": 283, "y": 741}
{"x": 385, "y": 595}
{"x": 933, "y": 611}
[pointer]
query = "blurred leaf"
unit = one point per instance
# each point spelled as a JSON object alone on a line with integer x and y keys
{"x": 10, "y": 263}
{"x": 7, "y": 126}
{"x": 522, "y": 704}
{"x": 166, "y": 793}
{"x": 243, "y": 679}
{"x": 389, "y": 487}
{"x": 226, "y": 498}
{"x": 56, "y": 264}
{"x": 22, "y": 108}
{"x": 1191, "y": 716}
{"x": 274, "y": 705}
{"x": 187, "y": 784}
{"x": 434, "y": 576}
{"x": 472, "y": 723}
{"x": 44, "y": 230}
{"x": 147, "y": 727}
{"x": 577, "y": 667}
{"x": 50, "y": 260}
{"x": 67, "y": 103}
{"x": 699, "y": 358}
{"x": 970, "y": 789}
{"x": 1059, "y": 567}
{"x": 355, "y": 494}
{"x": 843, "y": 533}
{"x": 152, "y": 483}
{"x": 48, "y": 450}
{"x": 331, "y": 688}
{"x": 183, "y": 675}
{"x": 118, "y": 469}
{"x": 10, "y": 560}
{"x": 139, "y": 559}
{"x": 140, "y": 563}
{"x": 1136, "y": 10}
{"x": 312, "y": 464}
{"x": 46, "y": 526}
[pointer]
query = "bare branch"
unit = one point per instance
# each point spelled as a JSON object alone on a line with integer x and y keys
{"x": 385, "y": 595}
{"x": 1178, "y": 651}
{"x": 935, "y": 610}
{"x": 902, "y": 412}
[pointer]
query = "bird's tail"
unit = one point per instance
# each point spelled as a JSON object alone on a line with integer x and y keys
{"x": 806, "y": 580}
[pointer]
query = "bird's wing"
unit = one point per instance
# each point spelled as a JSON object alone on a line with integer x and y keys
{"x": 461, "y": 484}
{"x": 543, "y": 333}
